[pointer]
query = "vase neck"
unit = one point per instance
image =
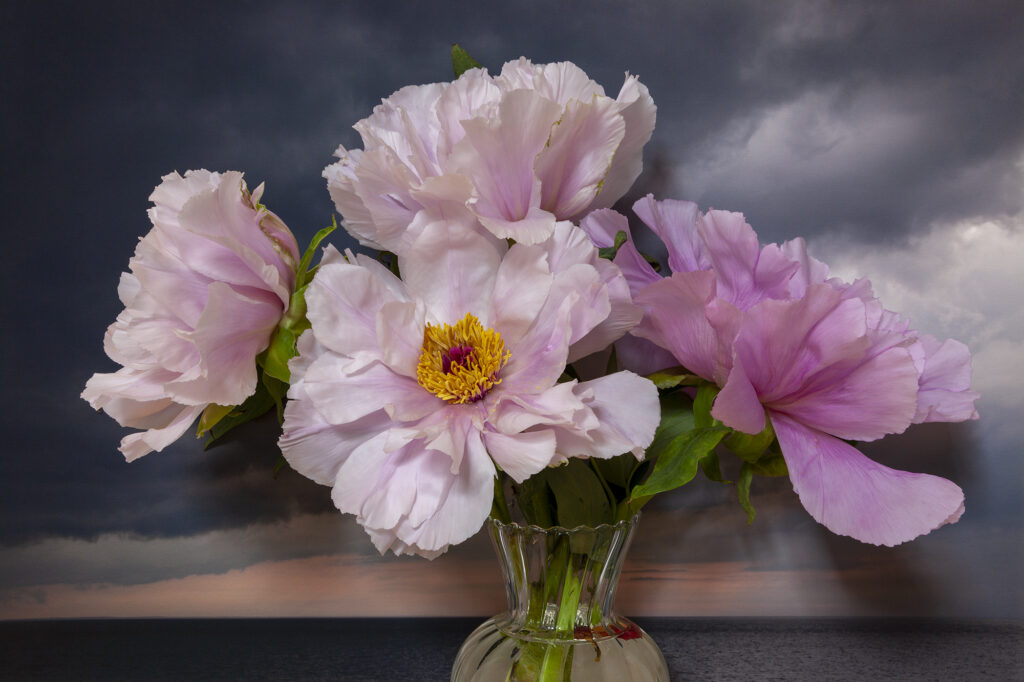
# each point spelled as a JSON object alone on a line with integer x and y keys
{"x": 561, "y": 582}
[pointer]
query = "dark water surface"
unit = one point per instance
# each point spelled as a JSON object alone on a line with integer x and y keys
{"x": 424, "y": 648}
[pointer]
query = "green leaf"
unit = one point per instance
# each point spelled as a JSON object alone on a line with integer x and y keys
{"x": 617, "y": 471}
{"x": 750, "y": 447}
{"x": 677, "y": 464}
{"x": 256, "y": 405}
{"x": 462, "y": 62}
{"x": 536, "y": 501}
{"x": 277, "y": 390}
{"x": 609, "y": 252}
{"x": 282, "y": 348}
{"x": 676, "y": 419}
{"x": 712, "y": 469}
{"x": 702, "y": 404}
{"x": 210, "y": 416}
{"x": 674, "y": 376}
{"x": 303, "y": 275}
{"x": 772, "y": 464}
{"x": 743, "y": 490}
{"x": 580, "y": 499}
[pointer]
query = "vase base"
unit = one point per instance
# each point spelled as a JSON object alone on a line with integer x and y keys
{"x": 618, "y": 651}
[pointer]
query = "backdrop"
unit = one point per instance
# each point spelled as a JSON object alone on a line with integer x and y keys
{"x": 890, "y": 135}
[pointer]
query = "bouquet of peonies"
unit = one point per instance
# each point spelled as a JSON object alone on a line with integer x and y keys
{"x": 509, "y": 351}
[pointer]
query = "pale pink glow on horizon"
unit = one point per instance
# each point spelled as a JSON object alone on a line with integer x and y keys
{"x": 350, "y": 586}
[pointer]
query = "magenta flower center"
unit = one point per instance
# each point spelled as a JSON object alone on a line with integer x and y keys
{"x": 456, "y": 355}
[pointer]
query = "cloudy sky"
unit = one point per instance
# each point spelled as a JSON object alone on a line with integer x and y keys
{"x": 889, "y": 135}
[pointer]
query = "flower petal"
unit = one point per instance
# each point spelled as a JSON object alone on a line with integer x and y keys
{"x": 231, "y": 332}
{"x": 498, "y": 155}
{"x": 638, "y": 111}
{"x": 675, "y": 319}
{"x": 342, "y": 303}
{"x": 577, "y": 156}
{"x": 675, "y": 222}
{"x": 852, "y": 495}
{"x": 521, "y": 455}
{"x": 521, "y": 288}
{"x": 451, "y": 267}
{"x": 945, "y": 393}
{"x": 627, "y": 414}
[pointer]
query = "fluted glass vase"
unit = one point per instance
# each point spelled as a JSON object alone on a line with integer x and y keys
{"x": 560, "y": 623}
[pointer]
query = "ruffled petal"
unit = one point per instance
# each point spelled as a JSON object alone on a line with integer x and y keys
{"x": 603, "y": 224}
{"x": 317, "y": 449}
{"x": 852, "y": 495}
{"x": 521, "y": 455}
{"x": 627, "y": 414}
{"x": 578, "y": 154}
{"x": 675, "y": 223}
{"x": 498, "y": 154}
{"x": 409, "y": 499}
{"x": 178, "y": 419}
{"x": 231, "y": 332}
{"x": 674, "y": 318}
{"x": 638, "y": 112}
{"x": 342, "y": 303}
{"x": 944, "y": 393}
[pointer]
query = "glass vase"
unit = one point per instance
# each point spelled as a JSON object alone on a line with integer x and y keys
{"x": 560, "y": 624}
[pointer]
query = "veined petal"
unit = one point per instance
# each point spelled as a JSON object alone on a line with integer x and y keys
{"x": 852, "y": 495}
{"x": 521, "y": 288}
{"x": 231, "y": 332}
{"x": 408, "y": 498}
{"x": 400, "y": 335}
{"x": 944, "y": 393}
{"x": 345, "y": 390}
{"x": 641, "y": 356}
{"x": 782, "y": 344}
{"x": 627, "y": 414}
{"x": 498, "y": 154}
{"x": 638, "y": 111}
{"x": 384, "y": 186}
{"x": 603, "y": 224}
{"x": 317, "y": 449}
{"x": 521, "y": 455}
{"x": 180, "y": 418}
{"x": 674, "y": 318}
{"x": 675, "y": 222}
{"x": 578, "y": 154}
{"x": 472, "y": 93}
{"x": 342, "y": 303}
{"x": 452, "y": 269}
{"x": 517, "y": 413}
{"x": 737, "y": 404}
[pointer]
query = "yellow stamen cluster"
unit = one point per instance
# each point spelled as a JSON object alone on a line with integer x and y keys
{"x": 461, "y": 363}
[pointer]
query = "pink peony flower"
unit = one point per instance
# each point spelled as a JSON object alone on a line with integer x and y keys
{"x": 408, "y": 393}
{"x": 821, "y": 358}
{"x": 208, "y": 285}
{"x": 520, "y": 151}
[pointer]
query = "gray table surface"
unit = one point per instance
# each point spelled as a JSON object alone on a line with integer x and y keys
{"x": 424, "y": 648}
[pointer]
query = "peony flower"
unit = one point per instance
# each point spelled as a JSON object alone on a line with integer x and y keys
{"x": 408, "y": 393}
{"x": 520, "y": 151}
{"x": 822, "y": 359}
{"x": 208, "y": 285}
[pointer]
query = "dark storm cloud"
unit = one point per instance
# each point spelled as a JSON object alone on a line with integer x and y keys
{"x": 871, "y": 117}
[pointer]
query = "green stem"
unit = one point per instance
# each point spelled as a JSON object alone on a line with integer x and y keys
{"x": 499, "y": 507}
{"x": 558, "y": 657}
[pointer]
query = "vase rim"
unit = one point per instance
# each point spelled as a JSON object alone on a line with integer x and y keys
{"x": 563, "y": 529}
